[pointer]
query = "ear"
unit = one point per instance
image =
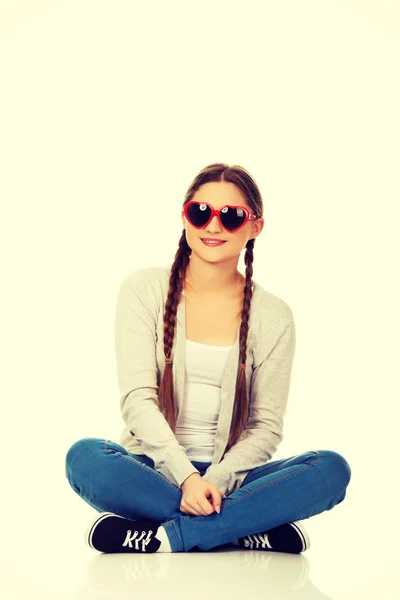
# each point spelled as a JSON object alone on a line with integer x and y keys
{"x": 258, "y": 226}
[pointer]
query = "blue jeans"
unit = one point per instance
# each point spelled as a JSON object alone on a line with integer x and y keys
{"x": 112, "y": 479}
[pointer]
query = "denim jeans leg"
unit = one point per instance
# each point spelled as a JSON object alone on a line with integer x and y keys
{"x": 273, "y": 494}
{"x": 112, "y": 479}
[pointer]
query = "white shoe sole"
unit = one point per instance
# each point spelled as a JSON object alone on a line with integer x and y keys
{"x": 302, "y": 534}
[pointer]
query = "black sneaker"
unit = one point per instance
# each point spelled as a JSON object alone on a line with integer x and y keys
{"x": 112, "y": 533}
{"x": 289, "y": 537}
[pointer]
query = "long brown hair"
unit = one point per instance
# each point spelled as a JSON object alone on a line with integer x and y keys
{"x": 243, "y": 180}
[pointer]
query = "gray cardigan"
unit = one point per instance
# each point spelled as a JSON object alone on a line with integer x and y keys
{"x": 140, "y": 361}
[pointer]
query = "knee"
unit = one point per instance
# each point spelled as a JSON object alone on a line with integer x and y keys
{"x": 337, "y": 466}
{"x": 79, "y": 454}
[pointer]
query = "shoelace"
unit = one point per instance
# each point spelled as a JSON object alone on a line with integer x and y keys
{"x": 256, "y": 540}
{"x": 133, "y": 537}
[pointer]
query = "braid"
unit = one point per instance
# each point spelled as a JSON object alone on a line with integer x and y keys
{"x": 178, "y": 270}
{"x": 240, "y": 406}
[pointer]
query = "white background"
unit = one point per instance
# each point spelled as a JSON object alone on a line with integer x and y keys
{"x": 107, "y": 112}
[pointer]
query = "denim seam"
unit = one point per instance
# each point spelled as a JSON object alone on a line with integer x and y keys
{"x": 229, "y": 503}
{"x": 145, "y": 467}
{"x": 171, "y": 528}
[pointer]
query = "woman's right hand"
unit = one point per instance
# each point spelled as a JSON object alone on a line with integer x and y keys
{"x": 199, "y": 496}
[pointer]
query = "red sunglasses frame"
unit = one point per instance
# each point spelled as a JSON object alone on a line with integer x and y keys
{"x": 216, "y": 211}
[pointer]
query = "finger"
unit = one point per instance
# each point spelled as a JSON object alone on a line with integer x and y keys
{"x": 195, "y": 512}
{"x": 200, "y": 507}
{"x": 191, "y": 511}
{"x": 196, "y": 508}
{"x": 217, "y": 499}
{"x": 206, "y": 507}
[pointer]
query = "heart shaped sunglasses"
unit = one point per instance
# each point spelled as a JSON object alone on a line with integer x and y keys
{"x": 232, "y": 218}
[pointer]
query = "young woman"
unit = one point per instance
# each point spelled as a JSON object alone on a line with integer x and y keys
{"x": 204, "y": 359}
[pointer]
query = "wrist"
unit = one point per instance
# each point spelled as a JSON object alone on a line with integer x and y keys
{"x": 191, "y": 475}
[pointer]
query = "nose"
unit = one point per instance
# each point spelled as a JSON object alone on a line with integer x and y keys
{"x": 215, "y": 224}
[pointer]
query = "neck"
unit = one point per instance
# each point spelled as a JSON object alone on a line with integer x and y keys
{"x": 212, "y": 282}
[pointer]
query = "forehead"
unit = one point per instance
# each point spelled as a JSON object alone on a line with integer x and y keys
{"x": 220, "y": 193}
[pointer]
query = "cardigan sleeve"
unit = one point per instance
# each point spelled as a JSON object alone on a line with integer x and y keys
{"x": 269, "y": 391}
{"x": 135, "y": 352}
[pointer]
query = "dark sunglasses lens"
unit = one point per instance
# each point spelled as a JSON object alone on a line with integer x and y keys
{"x": 232, "y": 218}
{"x": 198, "y": 214}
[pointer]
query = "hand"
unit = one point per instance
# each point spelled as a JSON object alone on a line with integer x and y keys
{"x": 199, "y": 496}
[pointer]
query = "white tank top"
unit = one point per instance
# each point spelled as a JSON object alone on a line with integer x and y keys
{"x": 197, "y": 424}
